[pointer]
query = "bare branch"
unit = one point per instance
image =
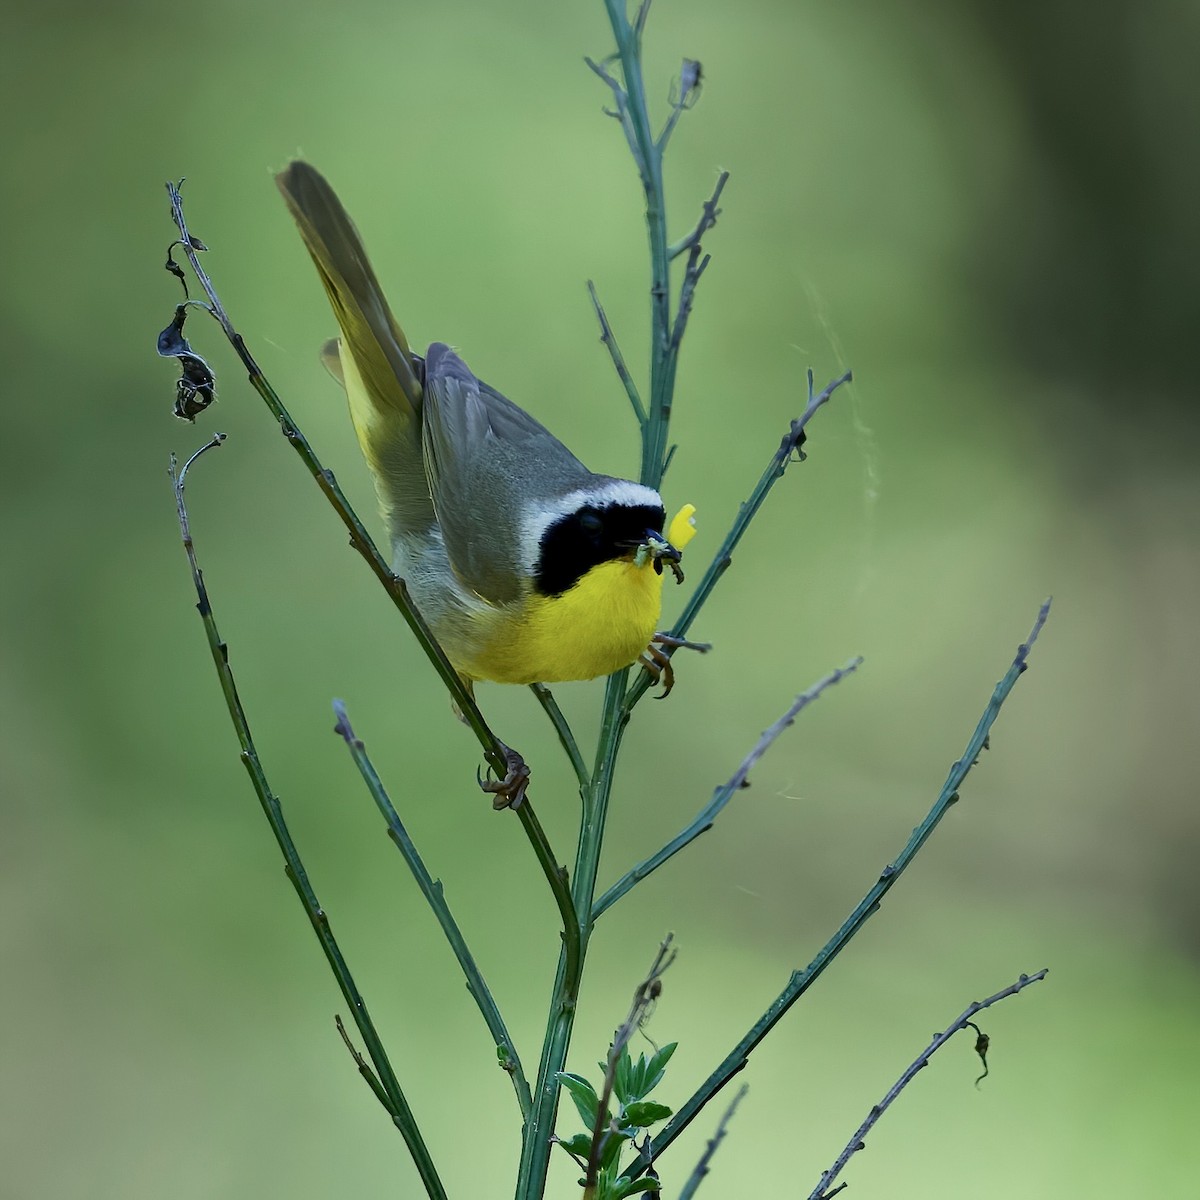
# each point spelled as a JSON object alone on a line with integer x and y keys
{"x": 707, "y": 816}
{"x": 857, "y": 1142}
{"x": 702, "y": 1167}
{"x": 618, "y": 359}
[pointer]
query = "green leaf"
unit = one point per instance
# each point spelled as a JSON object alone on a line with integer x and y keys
{"x": 629, "y": 1186}
{"x": 613, "y": 1143}
{"x": 657, "y": 1068}
{"x": 587, "y": 1103}
{"x": 624, "y": 1082}
{"x": 580, "y": 1145}
{"x": 643, "y": 1113}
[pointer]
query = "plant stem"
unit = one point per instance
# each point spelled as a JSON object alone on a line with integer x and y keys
{"x": 702, "y": 1167}
{"x": 493, "y": 748}
{"x": 746, "y": 513}
{"x": 397, "y": 1106}
{"x": 432, "y": 890}
{"x": 546, "y": 699}
{"x": 536, "y": 1147}
{"x": 359, "y": 538}
{"x": 618, "y": 359}
{"x": 801, "y": 981}
{"x": 856, "y": 1143}
{"x": 648, "y": 156}
{"x": 708, "y": 815}
{"x": 629, "y": 95}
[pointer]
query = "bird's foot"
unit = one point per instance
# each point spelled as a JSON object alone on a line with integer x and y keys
{"x": 509, "y": 791}
{"x": 658, "y": 662}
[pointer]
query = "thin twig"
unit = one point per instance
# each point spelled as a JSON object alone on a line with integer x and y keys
{"x": 707, "y": 816}
{"x": 746, "y": 513}
{"x": 545, "y": 697}
{"x": 493, "y": 748}
{"x": 696, "y": 266}
{"x": 364, "y": 1068}
{"x": 644, "y": 997}
{"x": 629, "y": 95}
{"x": 635, "y": 120}
{"x": 709, "y": 213}
{"x": 618, "y": 359}
{"x": 857, "y": 1142}
{"x": 359, "y": 538}
{"x": 397, "y": 1105}
{"x": 621, "y": 98}
{"x": 801, "y": 981}
{"x": 702, "y": 1167}
{"x": 433, "y": 892}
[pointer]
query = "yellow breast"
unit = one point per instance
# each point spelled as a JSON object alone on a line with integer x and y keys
{"x": 600, "y": 625}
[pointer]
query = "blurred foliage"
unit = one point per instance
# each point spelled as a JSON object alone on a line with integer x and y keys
{"x": 988, "y": 213}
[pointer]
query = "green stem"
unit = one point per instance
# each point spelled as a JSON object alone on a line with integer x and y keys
{"x": 858, "y": 1141}
{"x": 397, "y": 1105}
{"x": 746, "y": 513}
{"x": 648, "y": 156}
{"x": 493, "y": 748}
{"x": 618, "y": 359}
{"x": 536, "y": 1147}
{"x": 433, "y": 892}
{"x": 707, "y": 816}
{"x": 654, "y": 420}
{"x": 801, "y": 981}
{"x": 565, "y": 736}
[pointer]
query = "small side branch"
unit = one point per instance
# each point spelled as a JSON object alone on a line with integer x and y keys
{"x": 621, "y": 99}
{"x": 703, "y": 1166}
{"x": 432, "y": 890}
{"x": 788, "y": 448}
{"x": 618, "y": 359}
{"x": 364, "y": 1067}
{"x": 858, "y": 1142}
{"x": 707, "y": 816}
{"x": 388, "y": 1085}
{"x": 545, "y": 697}
{"x": 496, "y": 753}
{"x": 801, "y": 981}
{"x": 644, "y": 997}
{"x": 708, "y": 218}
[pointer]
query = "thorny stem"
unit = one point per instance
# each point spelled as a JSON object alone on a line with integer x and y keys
{"x": 389, "y": 1091}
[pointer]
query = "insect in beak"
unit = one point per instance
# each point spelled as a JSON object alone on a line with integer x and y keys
{"x": 659, "y": 550}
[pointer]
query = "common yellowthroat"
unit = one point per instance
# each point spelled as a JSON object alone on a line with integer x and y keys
{"x": 528, "y": 567}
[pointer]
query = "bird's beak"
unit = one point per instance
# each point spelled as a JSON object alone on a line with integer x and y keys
{"x": 658, "y": 550}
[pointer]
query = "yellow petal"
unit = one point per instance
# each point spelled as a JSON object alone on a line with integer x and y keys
{"x": 683, "y": 527}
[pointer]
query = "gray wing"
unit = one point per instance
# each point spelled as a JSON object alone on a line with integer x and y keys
{"x": 483, "y": 457}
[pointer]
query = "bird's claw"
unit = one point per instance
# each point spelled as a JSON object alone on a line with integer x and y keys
{"x": 658, "y": 662}
{"x": 509, "y": 791}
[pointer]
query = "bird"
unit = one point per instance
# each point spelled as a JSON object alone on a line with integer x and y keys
{"x": 527, "y": 566}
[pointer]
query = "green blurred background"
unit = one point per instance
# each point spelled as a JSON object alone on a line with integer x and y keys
{"x": 989, "y": 215}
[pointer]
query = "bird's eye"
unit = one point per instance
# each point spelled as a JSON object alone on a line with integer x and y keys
{"x": 590, "y": 521}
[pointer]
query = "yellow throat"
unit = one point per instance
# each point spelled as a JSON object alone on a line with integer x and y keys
{"x": 598, "y": 626}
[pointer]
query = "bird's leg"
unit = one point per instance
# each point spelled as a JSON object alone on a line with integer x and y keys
{"x": 658, "y": 662}
{"x": 509, "y": 791}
